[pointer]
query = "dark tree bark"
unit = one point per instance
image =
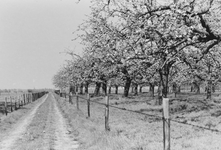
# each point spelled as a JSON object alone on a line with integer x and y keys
{"x": 174, "y": 89}
{"x": 136, "y": 89}
{"x": 81, "y": 88}
{"x": 86, "y": 87}
{"x": 209, "y": 87}
{"x": 164, "y": 80}
{"x": 159, "y": 94}
{"x": 76, "y": 88}
{"x": 151, "y": 89}
{"x": 197, "y": 88}
{"x": 179, "y": 89}
{"x": 128, "y": 81}
{"x": 140, "y": 90}
{"x": 213, "y": 88}
{"x": 116, "y": 89}
{"x": 72, "y": 89}
{"x": 109, "y": 90}
{"x": 104, "y": 87}
{"x": 97, "y": 88}
{"x": 164, "y": 77}
{"x": 191, "y": 88}
{"x": 132, "y": 89}
{"x": 127, "y": 86}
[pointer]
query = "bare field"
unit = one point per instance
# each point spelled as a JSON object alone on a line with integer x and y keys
{"x": 133, "y": 131}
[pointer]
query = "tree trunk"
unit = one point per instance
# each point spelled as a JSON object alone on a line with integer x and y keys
{"x": 86, "y": 87}
{"x": 178, "y": 89}
{"x": 81, "y": 88}
{"x": 151, "y": 89}
{"x": 104, "y": 87}
{"x": 136, "y": 89}
{"x": 213, "y": 88}
{"x": 209, "y": 88}
{"x": 164, "y": 77}
{"x": 109, "y": 90}
{"x": 159, "y": 94}
{"x": 174, "y": 89}
{"x": 97, "y": 88}
{"x": 165, "y": 89}
{"x": 197, "y": 87}
{"x": 116, "y": 89}
{"x": 76, "y": 88}
{"x": 72, "y": 89}
{"x": 191, "y": 88}
{"x": 127, "y": 86}
{"x": 132, "y": 89}
{"x": 140, "y": 90}
{"x": 164, "y": 80}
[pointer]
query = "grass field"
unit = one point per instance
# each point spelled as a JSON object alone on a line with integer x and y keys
{"x": 132, "y": 131}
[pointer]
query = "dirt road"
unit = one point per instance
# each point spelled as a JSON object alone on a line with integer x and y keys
{"x": 43, "y": 128}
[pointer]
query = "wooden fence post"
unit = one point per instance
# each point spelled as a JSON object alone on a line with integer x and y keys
{"x": 34, "y": 96}
{"x": 15, "y": 99}
{"x": 11, "y": 103}
{"x": 31, "y": 98}
{"x": 77, "y": 101}
{"x": 21, "y": 100}
{"x": 166, "y": 124}
{"x": 88, "y": 105}
{"x": 25, "y": 97}
{"x": 107, "y": 128}
{"x": 6, "y": 105}
{"x": 19, "y": 104}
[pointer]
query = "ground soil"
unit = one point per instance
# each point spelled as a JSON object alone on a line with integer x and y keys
{"x": 41, "y": 127}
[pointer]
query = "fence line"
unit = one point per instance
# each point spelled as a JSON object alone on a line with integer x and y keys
{"x": 197, "y": 126}
{"x": 14, "y": 102}
{"x": 166, "y": 118}
{"x": 151, "y": 115}
{"x": 124, "y": 109}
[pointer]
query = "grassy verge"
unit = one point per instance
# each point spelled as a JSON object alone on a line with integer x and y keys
{"x": 89, "y": 132}
{"x": 7, "y": 122}
{"x": 131, "y": 131}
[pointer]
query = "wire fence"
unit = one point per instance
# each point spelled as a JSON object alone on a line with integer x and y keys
{"x": 11, "y": 102}
{"x": 151, "y": 115}
{"x": 165, "y": 118}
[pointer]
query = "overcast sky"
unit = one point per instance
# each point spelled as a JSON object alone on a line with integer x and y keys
{"x": 32, "y": 35}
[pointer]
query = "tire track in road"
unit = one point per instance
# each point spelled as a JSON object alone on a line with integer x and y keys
{"x": 43, "y": 128}
{"x": 8, "y": 142}
{"x": 63, "y": 141}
